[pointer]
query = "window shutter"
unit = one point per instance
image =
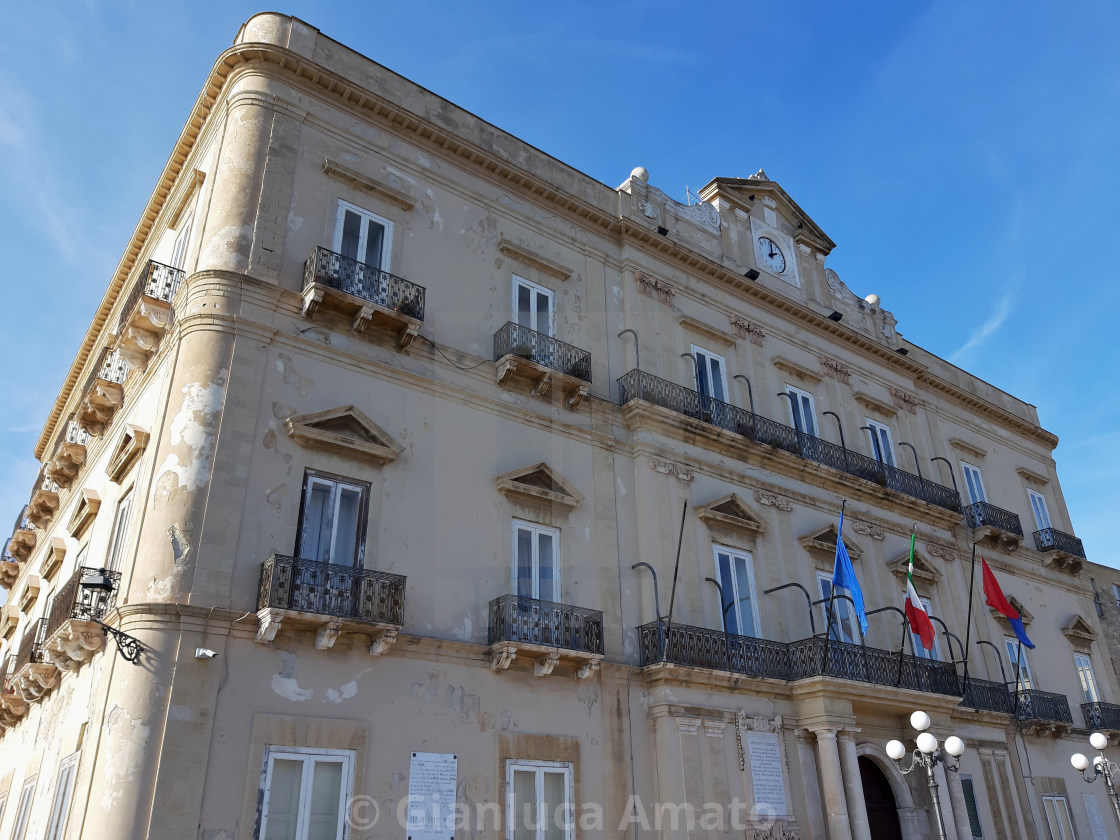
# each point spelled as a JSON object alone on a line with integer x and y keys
{"x": 970, "y": 806}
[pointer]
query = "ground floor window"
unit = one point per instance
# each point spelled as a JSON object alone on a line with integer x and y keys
{"x": 304, "y": 793}
{"x": 539, "y": 798}
{"x": 23, "y": 811}
{"x": 970, "y": 805}
{"x": 60, "y": 808}
{"x": 1057, "y": 817}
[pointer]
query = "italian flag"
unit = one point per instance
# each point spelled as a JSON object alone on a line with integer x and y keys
{"x": 915, "y": 613}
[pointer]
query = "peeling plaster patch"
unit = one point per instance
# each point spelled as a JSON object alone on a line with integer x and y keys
{"x": 294, "y": 223}
{"x": 463, "y": 633}
{"x": 429, "y": 206}
{"x": 291, "y": 376}
{"x": 285, "y": 683}
{"x": 621, "y": 486}
{"x": 230, "y": 241}
{"x": 275, "y": 498}
{"x": 344, "y": 692}
{"x": 587, "y": 533}
{"x": 216, "y": 834}
{"x": 125, "y": 743}
{"x": 269, "y": 441}
{"x": 504, "y": 719}
{"x": 281, "y": 411}
{"x": 193, "y": 427}
{"x": 180, "y": 543}
{"x": 589, "y": 696}
{"x": 453, "y": 698}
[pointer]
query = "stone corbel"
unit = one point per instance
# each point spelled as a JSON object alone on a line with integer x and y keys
{"x": 312, "y": 297}
{"x": 541, "y": 386}
{"x": 502, "y": 656}
{"x": 506, "y": 369}
{"x": 96, "y": 417}
{"x": 136, "y": 345}
{"x": 43, "y": 675}
{"x": 407, "y": 334}
{"x": 156, "y": 314}
{"x": 269, "y": 625}
{"x": 587, "y": 670}
{"x": 543, "y": 666}
{"x": 576, "y": 396}
{"x": 361, "y": 320}
{"x": 382, "y": 642}
{"x": 14, "y": 705}
{"x": 61, "y": 659}
{"x": 327, "y": 635}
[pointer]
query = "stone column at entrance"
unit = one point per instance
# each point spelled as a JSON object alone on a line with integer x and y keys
{"x": 952, "y": 805}
{"x": 853, "y": 785}
{"x": 832, "y": 786}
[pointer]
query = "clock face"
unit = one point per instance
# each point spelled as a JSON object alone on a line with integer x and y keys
{"x": 771, "y": 255}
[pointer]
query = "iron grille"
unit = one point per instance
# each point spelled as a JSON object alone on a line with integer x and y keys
{"x": 74, "y": 602}
{"x": 832, "y": 658}
{"x": 988, "y": 696}
{"x": 1051, "y": 539}
{"x": 364, "y": 281}
{"x": 1032, "y": 704}
{"x": 7, "y": 669}
{"x": 293, "y": 583}
{"x": 31, "y": 645}
{"x": 110, "y": 367}
{"x": 1101, "y": 715}
{"x": 23, "y": 521}
{"x": 156, "y": 281}
{"x": 699, "y": 647}
{"x": 983, "y": 514}
{"x": 514, "y": 618}
{"x": 516, "y": 340}
{"x": 75, "y": 433}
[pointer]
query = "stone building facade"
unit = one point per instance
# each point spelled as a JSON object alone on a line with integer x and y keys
{"x": 409, "y": 459}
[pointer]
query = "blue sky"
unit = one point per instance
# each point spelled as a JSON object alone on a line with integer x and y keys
{"x": 962, "y": 155}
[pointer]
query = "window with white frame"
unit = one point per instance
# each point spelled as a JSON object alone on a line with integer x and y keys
{"x": 1057, "y": 818}
{"x": 332, "y": 519}
{"x": 182, "y": 240}
{"x": 844, "y": 627}
{"x": 802, "y": 412}
{"x": 1038, "y": 507}
{"x": 1085, "y": 677}
{"x": 970, "y": 805}
{"x": 539, "y": 800}
{"x": 1015, "y": 651}
{"x": 1116, "y": 593}
{"x": 23, "y": 810}
{"x": 736, "y": 579}
{"x": 534, "y": 306}
{"x": 711, "y": 373}
{"x": 536, "y": 561}
{"x": 3, "y": 804}
{"x": 304, "y": 793}
{"x": 120, "y": 531}
{"x": 60, "y": 807}
{"x": 881, "y": 446}
{"x": 973, "y": 483}
{"x": 916, "y": 640}
{"x": 362, "y": 236}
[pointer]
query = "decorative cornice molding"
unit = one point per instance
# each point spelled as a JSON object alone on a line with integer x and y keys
{"x": 795, "y": 370}
{"x": 1032, "y": 476}
{"x": 940, "y": 551}
{"x": 872, "y": 404}
{"x": 698, "y": 326}
{"x": 773, "y": 500}
{"x": 542, "y": 264}
{"x": 868, "y": 529}
{"x": 386, "y": 192}
{"x": 967, "y": 448}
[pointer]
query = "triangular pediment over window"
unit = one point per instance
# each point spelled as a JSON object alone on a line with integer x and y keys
{"x": 1019, "y": 608}
{"x": 128, "y": 452}
{"x": 732, "y": 512}
{"x": 85, "y": 513}
{"x": 1078, "y": 629}
{"x": 347, "y": 429}
{"x": 823, "y": 541}
{"x": 923, "y": 569}
{"x": 539, "y": 482}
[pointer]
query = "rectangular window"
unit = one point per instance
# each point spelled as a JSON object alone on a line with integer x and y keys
{"x": 1085, "y": 675}
{"x": 1058, "y": 818}
{"x": 536, "y": 561}
{"x": 974, "y": 483}
{"x": 920, "y": 651}
{"x": 736, "y": 579}
{"x": 60, "y": 808}
{"x": 711, "y": 374}
{"x": 362, "y": 236}
{"x": 970, "y": 805}
{"x": 881, "y": 442}
{"x": 539, "y": 799}
{"x": 802, "y": 413}
{"x": 844, "y": 627}
{"x": 1025, "y": 681}
{"x": 533, "y": 306}
{"x": 1038, "y": 506}
{"x": 182, "y": 240}
{"x": 1116, "y": 594}
{"x": 332, "y": 520}
{"x": 120, "y": 531}
{"x": 304, "y": 793}
{"x": 23, "y": 811}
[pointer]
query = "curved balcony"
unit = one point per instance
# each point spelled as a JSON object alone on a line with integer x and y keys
{"x": 545, "y": 361}
{"x": 25, "y": 536}
{"x": 33, "y": 675}
{"x": 12, "y": 704}
{"x": 44, "y": 499}
{"x": 1043, "y": 712}
{"x": 146, "y": 313}
{"x": 103, "y": 392}
{"x": 1061, "y": 549}
{"x": 549, "y": 632}
{"x": 1101, "y": 716}
{"x": 998, "y": 526}
{"x": 72, "y": 633}
{"x": 9, "y": 566}
{"x": 69, "y": 454}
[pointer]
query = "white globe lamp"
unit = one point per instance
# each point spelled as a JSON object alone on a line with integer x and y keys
{"x": 927, "y": 743}
{"x": 920, "y": 721}
{"x": 896, "y": 750}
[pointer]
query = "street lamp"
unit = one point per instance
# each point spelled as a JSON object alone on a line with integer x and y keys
{"x": 1101, "y": 767}
{"x": 928, "y": 755}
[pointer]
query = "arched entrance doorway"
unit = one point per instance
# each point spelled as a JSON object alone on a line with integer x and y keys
{"x": 882, "y": 812}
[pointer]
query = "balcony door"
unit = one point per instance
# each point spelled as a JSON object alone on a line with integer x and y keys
{"x": 536, "y": 561}
{"x": 974, "y": 483}
{"x": 881, "y": 442}
{"x": 711, "y": 374}
{"x": 1025, "y": 681}
{"x": 803, "y": 415}
{"x": 844, "y": 627}
{"x": 533, "y": 306}
{"x": 362, "y": 236}
{"x": 736, "y": 580}
{"x": 332, "y": 522}
{"x": 1038, "y": 507}
{"x": 1085, "y": 677}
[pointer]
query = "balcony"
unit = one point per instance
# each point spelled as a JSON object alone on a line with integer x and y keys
{"x": 24, "y": 536}
{"x": 366, "y": 294}
{"x": 1042, "y": 712}
{"x": 548, "y": 632}
{"x": 1101, "y": 716}
{"x": 147, "y": 314}
{"x": 71, "y": 634}
{"x": 524, "y": 353}
{"x": 1061, "y": 549}
{"x": 816, "y": 658}
{"x": 33, "y": 675}
{"x": 69, "y": 454}
{"x": 699, "y": 647}
{"x": 329, "y": 599}
{"x": 12, "y": 705}
{"x": 636, "y": 385}
{"x": 103, "y": 392}
{"x": 1000, "y": 527}
{"x": 987, "y": 696}
{"x": 9, "y": 566}
{"x": 44, "y": 500}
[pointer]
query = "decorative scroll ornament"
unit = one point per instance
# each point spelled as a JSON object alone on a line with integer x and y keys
{"x": 747, "y": 329}
{"x": 777, "y": 831}
{"x": 836, "y": 370}
{"x": 940, "y": 551}
{"x": 772, "y": 500}
{"x": 867, "y": 529}
{"x": 904, "y": 400}
{"x": 652, "y": 287}
{"x": 670, "y": 468}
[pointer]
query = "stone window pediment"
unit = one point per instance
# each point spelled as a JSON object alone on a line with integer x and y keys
{"x": 823, "y": 542}
{"x": 923, "y": 569}
{"x": 347, "y": 429}
{"x": 540, "y": 483}
{"x": 1078, "y": 630}
{"x": 1024, "y": 615}
{"x": 796, "y": 370}
{"x": 84, "y": 513}
{"x": 128, "y": 452}
{"x": 732, "y": 512}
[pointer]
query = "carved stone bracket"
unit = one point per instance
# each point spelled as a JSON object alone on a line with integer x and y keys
{"x": 327, "y": 635}
{"x": 577, "y": 395}
{"x": 502, "y": 656}
{"x": 653, "y": 287}
{"x": 869, "y": 530}
{"x": 681, "y": 471}
{"x": 543, "y": 666}
{"x": 904, "y": 400}
{"x": 407, "y": 334}
{"x": 136, "y": 345}
{"x": 771, "y": 500}
{"x": 776, "y": 831}
{"x": 361, "y": 319}
{"x": 940, "y": 551}
{"x": 541, "y": 386}
{"x": 747, "y": 329}
{"x": 269, "y": 625}
{"x": 382, "y": 642}
{"x": 835, "y": 370}
{"x": 587, "y": 670}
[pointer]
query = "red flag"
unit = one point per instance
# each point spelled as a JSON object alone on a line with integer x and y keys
{"x": 998, "y": 601}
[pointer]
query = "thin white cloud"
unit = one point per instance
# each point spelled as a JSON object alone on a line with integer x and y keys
{"x": 981, "y": 333}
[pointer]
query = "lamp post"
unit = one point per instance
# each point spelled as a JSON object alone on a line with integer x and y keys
{"x": 1102, "y": 766}
{"x": 928, "y": 755}
{"x": 98, "y": 586}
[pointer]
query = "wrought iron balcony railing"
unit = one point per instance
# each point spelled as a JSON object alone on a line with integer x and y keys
{"x": 157, "y": 281}
{"x": 516, "y": 340}
{"x": 983, "y": 514}
{"x": 1101, "y": 715}
{"x": 111, "y": 367}
{"x": 31, "y": 646}
{"x": 1032, "y": 704}
{"x": 514, "y": 618}
{"x": 365, "y": 282}
{"x": 7, "y": 669}
{"x": 988, "y": 696}
{"x": 1051, "y": 539}
{"x": 816, "y": 657}
{"x": 74, "y": 602}
{"x": 637, "y": 385}
{"x": 699, "y": 647}
{"x": 308, "y": 586}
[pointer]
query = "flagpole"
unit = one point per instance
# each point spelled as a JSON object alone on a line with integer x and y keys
{"x": 1018, "y": 659}
{"x": 968, "y": 621}
{"x": 832, "y": 591}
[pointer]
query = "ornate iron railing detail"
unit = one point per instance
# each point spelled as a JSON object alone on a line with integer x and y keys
{"x": 31, "y": 645}
{"x": 514, "y": 618}
{"x": 699, "y": 647}
{"x": 75, "y": 433}
{"x": 516, "y": 340}
{"x": 1101, "y": 715}
{"x": 364, "y": 281}
{"x": 45, "y": 483}
{"x": 637, "y": 385}
{"x": 23, "y": 520}
{"x": 111, "y": 367}
{"x": 982, "y": 514}
{"x": 74, "y": 602}
{"x": 7, "y": 668}
{"x": 816, "y": 657}
{"x": 1032, "y": 704}
{"x": 157, "y": 281}
{"x": 293, "y": 583}
{"x": 1051, "y": 539}
{"x": 988, "y": 696}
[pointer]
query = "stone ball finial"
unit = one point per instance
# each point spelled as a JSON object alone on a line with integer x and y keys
{"x": 640, "y": 173}
{"x": 873, "y": 300}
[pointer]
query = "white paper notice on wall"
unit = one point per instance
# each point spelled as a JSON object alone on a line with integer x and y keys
{"x": 767, "y": 778}
{"x": 1096, "y": 821}
{"x": 431, "y": 796}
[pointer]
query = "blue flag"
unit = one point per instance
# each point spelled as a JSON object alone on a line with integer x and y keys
{"x": 844, "y": 575}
